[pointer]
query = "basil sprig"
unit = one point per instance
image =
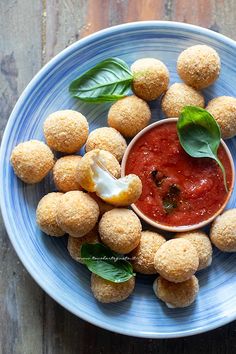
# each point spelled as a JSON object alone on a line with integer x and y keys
{"x": 199, "y": 134}
{"x": 107, "y": 264}
{"x": 109, "y": 80}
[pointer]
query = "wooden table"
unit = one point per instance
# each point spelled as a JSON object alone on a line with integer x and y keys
{"x": 32, "y": 32}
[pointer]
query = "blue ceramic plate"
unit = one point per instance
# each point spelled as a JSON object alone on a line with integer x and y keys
{"x": 46, "y": 258}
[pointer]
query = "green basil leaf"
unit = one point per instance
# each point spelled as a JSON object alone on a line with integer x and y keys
{"x": 107, "y": 264}
{"x": 199, "y": 134}
{"x": 109, "y": 80}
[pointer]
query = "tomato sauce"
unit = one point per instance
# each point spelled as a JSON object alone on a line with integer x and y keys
{"x": 177, "y": 188}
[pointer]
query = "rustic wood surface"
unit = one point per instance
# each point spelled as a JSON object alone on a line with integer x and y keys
{"x": 31, "y": 32}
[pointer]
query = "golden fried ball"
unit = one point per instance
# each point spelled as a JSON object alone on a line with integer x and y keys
{"x": 66, "y": 131}
{"x": 74, "y": 243}
{"x": 178, "y": 96}
{"x": 176, "y": 294}
{"x": 85, "y": 173}
{"x": 78, "y": 213}
{"x": 198, "y": 66}
{"x": 129, "y": 115}
{"x": 151, "y": 78}
{"x": 223, "y": 109}
{"x": 176, "y": 260}
{"x": 106, "y": 291}
{"x": 46, "y": 214}
{"x": 223, "y": 231}
{"x": 65, "y": 173}
{"x": 202, "y": 243}
{"x": 32, "y": 160}
{"x": 120, "y": 229}
{"x": 143, "y": 255}
{"x": 108, "y": 139}
{"x": 103, "y": 206}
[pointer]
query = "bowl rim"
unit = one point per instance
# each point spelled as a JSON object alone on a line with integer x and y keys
{"x": 43, "y": 71}
{"x": 159, "y": 225}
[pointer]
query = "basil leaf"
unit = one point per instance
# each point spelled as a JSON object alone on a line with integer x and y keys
{"x": 109, "y": 80}
{"x": 107, "y": 264}
{"x": 199, "y": 134}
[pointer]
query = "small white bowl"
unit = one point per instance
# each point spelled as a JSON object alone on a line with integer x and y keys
{"x": 158, "y": 224}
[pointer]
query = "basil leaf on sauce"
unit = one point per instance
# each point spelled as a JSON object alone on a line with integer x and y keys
{"x": 171, "y": 199}
{"x": 199, "y": 134}
{"x": 109, "y": 80}
{"x": 109, "y": 265}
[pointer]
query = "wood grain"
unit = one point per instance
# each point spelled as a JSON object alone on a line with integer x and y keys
{"x": 31, "y": 33}
{"x": 21, "y": 300}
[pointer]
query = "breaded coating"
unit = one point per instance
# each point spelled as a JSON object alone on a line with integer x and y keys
{"x": 142, "y": 257}
{"x": 103, "y": 206}
{"x": 178, "y": 96}
{"x": 223, "y": 109}
{"x": 176, "y": 294}
{"x": 202, "y": 243}
{"x": 85, "y": 173}
{"x": 78, "y": 213}
{"x": 65, "y": 173}
{"x": 46, "y": 214}
{"x": 31, "y": 161}
{"x": 199, "y": 66}
{"x": 106, "y": 291}
{"x": 74, "y": 243}
{"x": 66, "y": 131}
{"x": 120, "y": 229}
{"x": 108, "y": 139}
{"x": 129, "y": 115}
{"x": 151, "y": 78}
{"x": 223, "y": 231}
{"x": 176, "y": 260}
{"x": 127, "y": 196}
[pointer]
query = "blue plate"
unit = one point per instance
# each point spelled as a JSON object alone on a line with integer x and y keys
{"x": 46, "y": 258}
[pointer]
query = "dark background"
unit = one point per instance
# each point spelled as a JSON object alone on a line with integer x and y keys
{"x": 32, "y": 32}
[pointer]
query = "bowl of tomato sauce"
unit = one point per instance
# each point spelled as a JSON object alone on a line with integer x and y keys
{"x": 180, "y": 193}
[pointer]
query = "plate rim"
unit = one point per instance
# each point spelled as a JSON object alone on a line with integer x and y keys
{"x": 80, "y": 43}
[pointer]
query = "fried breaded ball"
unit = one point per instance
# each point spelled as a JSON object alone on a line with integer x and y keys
{"x": 103, "y": 206}
{"x": 120, "y": 229}
{"x": 129, "y": 115}
{"x": 31, "y": 161}
{"x": 223, "y": 231}
{"x": 108, "y": 139}
{"x": 74, "y": 243}
{"x": 66, "y": 131}
{"x": 176, "y": 294}
{"x": 223, "y": 109}
{"x": 199, "y": 66}
{"x": 85, "y": 173}
{"x": 143, "y": 255}
{"x": 178, "y": 96}
{"x": 130, "y": 193}
{"x": 65, "y": 173}
{"x": 150, "y": 78}
{"x": 78, "y": 213}
{"x": 46, "y": 214}
{"x": 106, "y": 291}
{"x": 202, "y": 243}
{"x": 176, "y": 260}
